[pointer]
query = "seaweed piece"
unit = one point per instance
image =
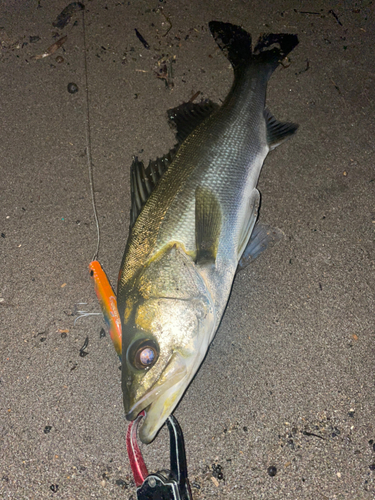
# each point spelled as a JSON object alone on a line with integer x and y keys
{"x": 64, "y": 18}
{"x": 52, "y": 49}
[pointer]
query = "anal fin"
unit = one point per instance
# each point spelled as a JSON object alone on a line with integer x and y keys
{"x": 262, "y": 237}
{"x": 278, "y": 132}
{"x": 208, "y": 223}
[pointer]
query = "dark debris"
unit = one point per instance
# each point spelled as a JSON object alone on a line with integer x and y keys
{"x": 82, "y": 351}
{"x": 335, "y": 16}
{"x": 122, "y": 483}
{"x": 312, "y": 434}
{"x": 72, "y": 88}
{"x": 64, "y": 17}
{"x": 217, "y": 471}
{"x": 141, "y": 39}
{"x": 272, "y": 471}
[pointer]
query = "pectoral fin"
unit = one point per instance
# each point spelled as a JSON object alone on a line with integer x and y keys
{"x": 262, "y": 237}
{"x": 208, "y": 222}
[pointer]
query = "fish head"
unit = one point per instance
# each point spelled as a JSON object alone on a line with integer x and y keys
{"x": 167, "y": 325}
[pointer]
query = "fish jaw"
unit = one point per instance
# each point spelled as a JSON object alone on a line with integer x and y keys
{"x": 173, "y": 374}
{"x": 160, "y": 401}
{"x": 159, "y": 393}
{"x": 157, "y": 413}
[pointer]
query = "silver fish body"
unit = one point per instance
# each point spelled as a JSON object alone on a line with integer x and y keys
{"x": 193, "y": 213}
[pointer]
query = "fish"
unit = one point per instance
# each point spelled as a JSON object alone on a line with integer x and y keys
{"x": 193, "y": 212}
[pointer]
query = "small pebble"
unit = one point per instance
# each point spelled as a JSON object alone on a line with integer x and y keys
{"x": 272, "y": 471}
{"x": 102, "y": 333}
{"x": 122, "y": 483}
{"x": 54, "y": 487}
{"x": 47, "y": 429}
{"x": 215, "y": 481}
{"x": 291, "y": 444}
{"x": 72, "y": 88}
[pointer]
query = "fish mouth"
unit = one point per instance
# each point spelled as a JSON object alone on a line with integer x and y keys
{"x": 159, "y": 402}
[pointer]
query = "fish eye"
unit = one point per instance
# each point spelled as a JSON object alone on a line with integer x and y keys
{"x": 143, "y": 354}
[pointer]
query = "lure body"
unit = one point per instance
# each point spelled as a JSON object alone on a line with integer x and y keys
{"x": 108, "y": 302}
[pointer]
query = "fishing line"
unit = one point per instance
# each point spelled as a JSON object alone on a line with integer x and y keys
{"x": 104, "y": 292}
{"x": 88, "y": 142}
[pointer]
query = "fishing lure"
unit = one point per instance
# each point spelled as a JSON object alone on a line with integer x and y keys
{"x": 108, "y": 303}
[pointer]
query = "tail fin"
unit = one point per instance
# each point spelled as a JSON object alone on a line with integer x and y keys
{"x": 235, "y": 42}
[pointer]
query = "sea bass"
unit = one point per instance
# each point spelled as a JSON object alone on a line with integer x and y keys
{"x": 192, "y": 216}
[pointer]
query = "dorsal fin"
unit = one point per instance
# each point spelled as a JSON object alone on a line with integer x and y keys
{"x": 143, "y": 181}
{"x": 185, "y": 118}
{"x": 188, "y": 116}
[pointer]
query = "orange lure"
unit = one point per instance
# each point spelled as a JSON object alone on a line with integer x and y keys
{"x": 108, "y": 302}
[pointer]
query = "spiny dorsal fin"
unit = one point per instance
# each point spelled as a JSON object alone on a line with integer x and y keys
{"x": 143, "y": 181}
{"x": 277, "y": 132}
{"x": 208, "y": 222}
{"x": 185, "y": 118}
{"x": 188, "y": 116}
